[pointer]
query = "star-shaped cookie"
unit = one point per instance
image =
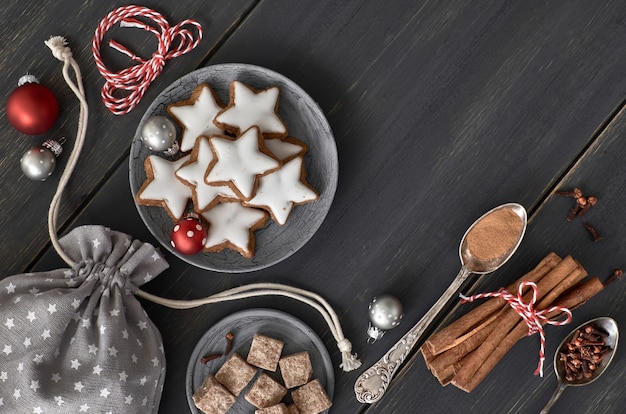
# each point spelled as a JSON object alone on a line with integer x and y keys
{"x": 248, "y": 107}
{"x": 196, "y": 114}
{"x": 239, "y": 161}
{"x": 192, "y": 173}
{"x": 281, "y": 190}
{"x": 162, "y": 188}
{"x": 232, "y": 226}
{"x": 286, "y": 148}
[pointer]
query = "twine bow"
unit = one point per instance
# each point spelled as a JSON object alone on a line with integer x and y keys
{"x": 134, "y": 81}
{"x": 534, "y": 319}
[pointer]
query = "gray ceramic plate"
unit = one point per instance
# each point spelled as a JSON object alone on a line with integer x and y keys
{"x": 305, "y": 121}
{"x": 243, "y": 325}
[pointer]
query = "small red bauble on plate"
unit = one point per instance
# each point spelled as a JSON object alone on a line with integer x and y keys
{"x": 189, "y": 235}
{"x": 32, "y": 108}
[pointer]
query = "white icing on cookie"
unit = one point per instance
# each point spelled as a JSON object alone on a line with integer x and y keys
{"x": 285, "y": 148}
{"x": 239, "y": 161}
{"x": 249, "y": 107}
{"x": 280, "y": 190}
{"x": 193, "y": 172}
{"x": 163, "y": 188}
{"x": 196, "y": 115}
{"x": 232, "y": 225}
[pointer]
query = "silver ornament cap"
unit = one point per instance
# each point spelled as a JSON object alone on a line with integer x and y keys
{"x": 159, "y": 134}
{"x": 385, "y": 313}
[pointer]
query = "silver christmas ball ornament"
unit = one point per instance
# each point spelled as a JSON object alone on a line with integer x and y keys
{"x": 39, "y": 162}
{"x": 385, "y": 313}
{"x": 159, "y": 134}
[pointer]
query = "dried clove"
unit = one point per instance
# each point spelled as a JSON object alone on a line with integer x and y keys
{"x": 586, "y": 350}
{"x": 575, "y": 193}
{"x": 582, "y": 204}
{"x": 615, "y": 276}
{"x": 229, "y": 345}
{"x": 594, "y": 233}
{"x": 589, "y": 202}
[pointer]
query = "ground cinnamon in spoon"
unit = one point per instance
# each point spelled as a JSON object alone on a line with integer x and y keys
{"x": 494, "y": 235}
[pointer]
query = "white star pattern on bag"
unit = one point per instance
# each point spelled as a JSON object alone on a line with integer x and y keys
{"x": 31, "y": 317}
{"x": 74, "y": 350}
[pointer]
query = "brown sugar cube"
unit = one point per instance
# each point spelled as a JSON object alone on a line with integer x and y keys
{"x": 292, "y": 409}
{"x": 274, "y": 409}
{"x": 296, "y": 369}
{"x": 265, "y": 392}
{"x": 265, "y": 352}
{"x": 235, "y": 374}
{"x": 212, "y": 398}
{"x": 311, "y": 398}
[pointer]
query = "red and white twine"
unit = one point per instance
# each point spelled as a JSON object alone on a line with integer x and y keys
{"x": 134, "y": 81}
{"x": 534, "y": 319}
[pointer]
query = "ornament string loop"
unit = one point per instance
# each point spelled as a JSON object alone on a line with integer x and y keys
{"x": 534, "y": 319}
{"x": 123, "y": 90}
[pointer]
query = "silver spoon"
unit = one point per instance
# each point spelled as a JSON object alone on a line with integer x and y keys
{"x": 609, "y": 326}
{"x": 371, "y": 385}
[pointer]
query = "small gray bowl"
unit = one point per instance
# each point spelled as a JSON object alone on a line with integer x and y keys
{"x": 305, "y": 121}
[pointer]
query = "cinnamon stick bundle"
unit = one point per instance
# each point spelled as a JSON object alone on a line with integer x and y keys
{"x": 583, "y": 293}
{"x": 473, "y": 321}
{"x": 464, "y": 352}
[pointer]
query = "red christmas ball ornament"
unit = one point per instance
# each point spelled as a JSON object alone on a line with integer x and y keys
{"x": 188, "y": 235}
{"x": 32, "y": 108}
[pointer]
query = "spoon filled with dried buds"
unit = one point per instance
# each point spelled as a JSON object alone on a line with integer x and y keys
{"x": 584, "y": 355}
{"x": 486, "y": 245}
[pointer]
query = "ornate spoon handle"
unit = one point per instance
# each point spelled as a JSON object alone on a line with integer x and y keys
{"x": 371, "y": 385}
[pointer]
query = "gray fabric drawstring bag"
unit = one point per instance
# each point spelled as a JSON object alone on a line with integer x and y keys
{"x": 77, "y": 339}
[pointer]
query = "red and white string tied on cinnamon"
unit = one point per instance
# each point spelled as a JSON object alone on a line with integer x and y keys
{"x": 134, "y": 81}
{"x": 533, "y": 318}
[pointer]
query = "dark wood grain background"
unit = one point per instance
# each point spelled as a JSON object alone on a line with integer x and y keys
{"x": 441, "y": 110}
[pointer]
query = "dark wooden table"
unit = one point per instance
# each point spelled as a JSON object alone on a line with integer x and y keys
{"x": 441, "y": 110}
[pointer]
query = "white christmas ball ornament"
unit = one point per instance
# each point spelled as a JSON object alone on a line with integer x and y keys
{"x": 385, "y": 313}
{"x": 159, "y": 134}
